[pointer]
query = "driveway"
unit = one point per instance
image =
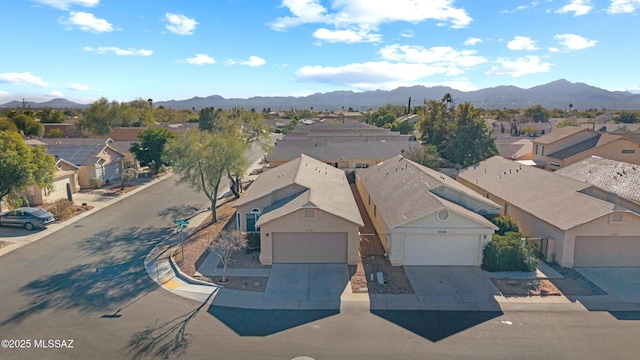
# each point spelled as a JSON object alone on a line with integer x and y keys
{"x": 621, "y": 282}
{"x": 307, "y": 282}
{"x": 451, "y": 284}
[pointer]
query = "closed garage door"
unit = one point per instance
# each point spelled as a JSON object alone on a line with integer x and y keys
{"x": 607, "y": 251}
{"x": 112, "y": 171}
{"x": 463, "y": 250}
{"x": 59, "y": 190}
{"x": 309, "y": 247}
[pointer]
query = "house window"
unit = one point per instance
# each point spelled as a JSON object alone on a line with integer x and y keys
{"x": 540, "y": 150}
{"x": 309, "y": 214}
{"x": 629, "y": 151}
{"x": 554, "y": 164}
{"x": 362, "y": 165}
{"x": 375, "y": 211}
{"x": 616, "y": 218}
{"x": 238, "y": 217}
{"x": 334, "y": 164}
{"x": 369, "y": 199}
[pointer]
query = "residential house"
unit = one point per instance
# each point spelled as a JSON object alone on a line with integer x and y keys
{"x": 99, "y": 162}
{"x": 345, "y": 146}
{"x": 304, "y": 211}
{"x": 65, "y": 184}
{"x": 570, "y": 144}
{"x": 614, "y": 181}
{"x": 424, "y": 217}
{"x": 575, "y": 227}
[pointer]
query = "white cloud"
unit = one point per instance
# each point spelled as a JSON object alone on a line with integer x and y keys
{"x": 5, "y": 97}
{"x": 201, "y": 59}
{"x": 66, "y": 4}
{"x": 87, "y": 22}
{"x": 443, "y": 56}
{"x": 254, "y": 61}
{"x": 521, "y": 43}
{"x": 472, "y": 41}
{"x": 78, "y": 87}
{"x": 364, "y": 16}
{"x": 118, "y": 51}
{"x": 574, "y": 42}
{"x": 407, "y": 34}
{"x": 519, "y": 67}
{"x": 623, "y": 6}
{"x": 180, "y": 24}
{"x": 346, "y": 36}
{"x": 522, "y": 7}
{"x": 633, "y": 89}
{"x": 22, "y": 79}
{"x": 577, "y": 7}
{"x": 54, "y": 94}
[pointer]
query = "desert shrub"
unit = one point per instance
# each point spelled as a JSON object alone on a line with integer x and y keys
{"x": 505, "y": 224}
{"x": 508, "y": 253}
{"x": 253, "y": 241}
{"x": 55, "y": 133}
{"x": 95, "y": 183}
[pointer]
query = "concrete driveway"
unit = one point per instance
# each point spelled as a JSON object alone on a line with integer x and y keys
{"x": 621, "y": 282}
{"x": 451, "y": 284}
{"x": 307, "y": 282}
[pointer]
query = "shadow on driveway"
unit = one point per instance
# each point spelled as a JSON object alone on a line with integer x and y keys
{"x": 249, "y": 322}
{"x": 436, "y": 325}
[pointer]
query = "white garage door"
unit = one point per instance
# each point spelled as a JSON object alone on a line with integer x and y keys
{"x": 607, "y": 251}
{"x": 112, "y": 171}
{"x": 309, "y": 247}
{"x": 431, "y": 249}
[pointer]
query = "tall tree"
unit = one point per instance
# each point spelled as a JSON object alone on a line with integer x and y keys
{"x": 27, "y": 124}
{"x": 537, "y": 114}
{"x": 471, "y": 140}
{"x": 22, "y": 165}
{"x": 434, "y": 126}
{"x": 426, "y": 155}
{"x": 202, "y": 158}
{"x": 150, "y": 147}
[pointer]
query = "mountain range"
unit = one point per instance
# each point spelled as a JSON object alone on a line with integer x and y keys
{"x": 557, "y": 94}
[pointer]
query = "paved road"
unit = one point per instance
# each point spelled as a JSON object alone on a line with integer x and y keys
{"x": 87, "y": 283}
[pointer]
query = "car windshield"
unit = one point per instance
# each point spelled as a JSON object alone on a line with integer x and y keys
{"x": 40, "y": 213}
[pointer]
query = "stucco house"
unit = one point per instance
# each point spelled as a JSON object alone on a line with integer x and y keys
{"x": 424, "y": 217}
{"x": 65, "y": 184}
{"x": 97, "y": 160}
{"x": 576, "y": 226}
{"x": 304, "y": 211}
{"x": 570, "y": 144}
{"x": 344, "y": 146}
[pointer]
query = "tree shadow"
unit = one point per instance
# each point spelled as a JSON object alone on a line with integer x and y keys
{"x": 436, "y": 325}
{"x": 252, "y": 322}
{"x": 112, "y": 275}
{"x": 179, "y": 212}
{"x": 169, "y": 339}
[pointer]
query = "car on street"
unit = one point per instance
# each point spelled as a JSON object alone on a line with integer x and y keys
{"x": 26, "y": 217}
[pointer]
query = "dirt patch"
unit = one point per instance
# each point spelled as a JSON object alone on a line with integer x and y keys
{"x": 5, "y": 243}
{"x": 64, "y": 209}
{"x": 526, "y": 287}
{"x": 195, "y": 246}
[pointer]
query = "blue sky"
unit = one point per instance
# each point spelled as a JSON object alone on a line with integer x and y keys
{"x": 126, "y": 49}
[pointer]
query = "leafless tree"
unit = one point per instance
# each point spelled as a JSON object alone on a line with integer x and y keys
{"x": 227, "y": 243}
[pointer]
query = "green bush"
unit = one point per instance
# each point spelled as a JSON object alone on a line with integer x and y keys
{"x": 505, "y": 224}
{"x": 95, "y": 183}
{"x": 508, "y": 253}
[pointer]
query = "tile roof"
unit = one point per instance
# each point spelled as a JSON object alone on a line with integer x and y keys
{"x": 551, "y": 197}
{"x": 558, "y": 134}
{"x": 617, "y": 177}
{"x": 326, "y": 188}
{"x": 402, "y": 191}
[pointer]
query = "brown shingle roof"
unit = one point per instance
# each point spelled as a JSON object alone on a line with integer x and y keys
{"x": 548, "y": 196}
{"x": 402, "y": 191}
{"x": 558, "y": 134}
{"x": 327, "y": 190}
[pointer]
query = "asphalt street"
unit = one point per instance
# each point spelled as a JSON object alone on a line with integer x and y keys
{"x": 87, "y": 283}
